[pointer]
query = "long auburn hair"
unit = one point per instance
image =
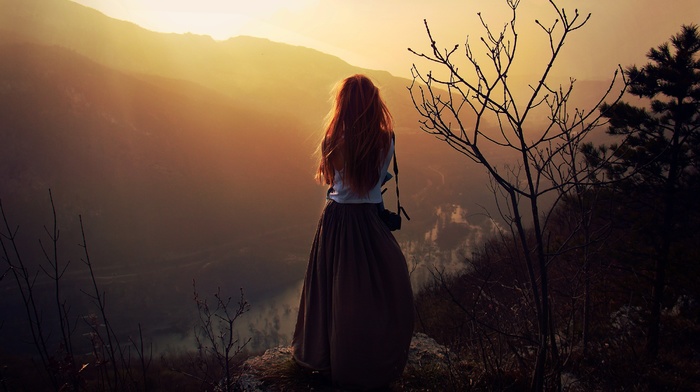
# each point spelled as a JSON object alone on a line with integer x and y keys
{"x": 357, "y": 136}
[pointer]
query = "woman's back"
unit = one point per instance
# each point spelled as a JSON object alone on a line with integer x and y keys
{"x": 355, "y": 317}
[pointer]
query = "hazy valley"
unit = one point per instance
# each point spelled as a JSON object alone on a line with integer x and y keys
{"x": 189, "y": 159}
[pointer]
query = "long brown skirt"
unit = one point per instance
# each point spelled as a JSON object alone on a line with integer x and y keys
{"x": 356, "y": 311}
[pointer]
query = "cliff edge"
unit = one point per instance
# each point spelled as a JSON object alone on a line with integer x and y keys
{"x": 428, "y": 364}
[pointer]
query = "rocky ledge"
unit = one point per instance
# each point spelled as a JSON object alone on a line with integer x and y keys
{"x": 276, "y": 371}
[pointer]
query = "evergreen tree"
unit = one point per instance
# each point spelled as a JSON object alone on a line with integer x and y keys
{"x": 656, "y": 163}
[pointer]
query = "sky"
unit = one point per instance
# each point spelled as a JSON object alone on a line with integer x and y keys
{"x": 375, "y": 34}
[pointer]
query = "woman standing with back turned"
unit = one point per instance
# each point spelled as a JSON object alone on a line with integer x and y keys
{"x": 356, "y": 311}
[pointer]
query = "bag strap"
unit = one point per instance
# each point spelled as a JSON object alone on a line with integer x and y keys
{"x": 399, "y": 208}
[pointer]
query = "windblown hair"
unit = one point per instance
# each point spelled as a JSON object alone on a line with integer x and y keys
{"x": 357, "y": 136}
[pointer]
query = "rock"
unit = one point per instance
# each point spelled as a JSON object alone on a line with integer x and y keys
{"x": 275, "y": 370}
{"x": 627, "y": 320}
{"x": 424, "y": 350}
{"x": 686, "y": 306}
{"x": 251, "y": 378}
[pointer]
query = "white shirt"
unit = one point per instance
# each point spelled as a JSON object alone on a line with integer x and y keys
{"x": 341, "y": 194}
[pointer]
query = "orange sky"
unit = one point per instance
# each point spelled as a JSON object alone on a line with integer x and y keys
{"x": 375, "y": 34}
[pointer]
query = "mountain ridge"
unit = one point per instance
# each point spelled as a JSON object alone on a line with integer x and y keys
{"x": 200, "y": 170}
{"x": 129, "y": 47}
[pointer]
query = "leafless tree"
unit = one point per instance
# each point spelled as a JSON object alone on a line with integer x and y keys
{"x": 25, "y": 280}
{"x": 58, "y": 359}
{"x": 458, "y": 104}
{"x": 216, "y": 338}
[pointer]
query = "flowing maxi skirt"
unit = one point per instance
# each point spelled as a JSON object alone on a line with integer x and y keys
{"x": 355, "y": 317}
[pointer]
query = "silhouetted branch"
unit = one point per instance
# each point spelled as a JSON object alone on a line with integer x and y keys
{"x": 215, "y": 336}
{"x": 100, "y": 300}
{"x": 25, "y": 285}
{"x": 546, "y": 156}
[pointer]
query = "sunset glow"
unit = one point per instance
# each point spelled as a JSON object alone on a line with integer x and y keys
{"x": 376, "y": 34}
{"x": 218, "y": 19}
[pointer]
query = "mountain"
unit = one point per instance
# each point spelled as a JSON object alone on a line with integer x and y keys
{"x": 167, "y": 100}
{"x": 81, "y": 126}
{"x": 251, "y": 70}
{"x": 193, "y": 159}
{"x": 187, "y": 158}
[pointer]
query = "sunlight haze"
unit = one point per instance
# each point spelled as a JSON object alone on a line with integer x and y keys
{"x": 376, "y": 35}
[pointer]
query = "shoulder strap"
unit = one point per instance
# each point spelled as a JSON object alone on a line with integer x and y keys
{"x": 399, "y": 209}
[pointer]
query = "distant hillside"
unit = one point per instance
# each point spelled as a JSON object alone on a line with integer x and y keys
{"x": 192, "y": 158}
{"x": 202, "y": 103}
{"x": 187, "y": 158}
{"x": 127, "y": 146}
{"x": 173, "y": 181}
{"x": 252, "y": 70}
{"x": 149, "y": 130}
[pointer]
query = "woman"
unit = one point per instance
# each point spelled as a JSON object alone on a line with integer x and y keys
{"x": 356, "y": 311}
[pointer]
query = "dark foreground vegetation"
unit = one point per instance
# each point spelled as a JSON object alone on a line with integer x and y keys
{"x": 82, "y": 352}
{"x": 601, "y": 327}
